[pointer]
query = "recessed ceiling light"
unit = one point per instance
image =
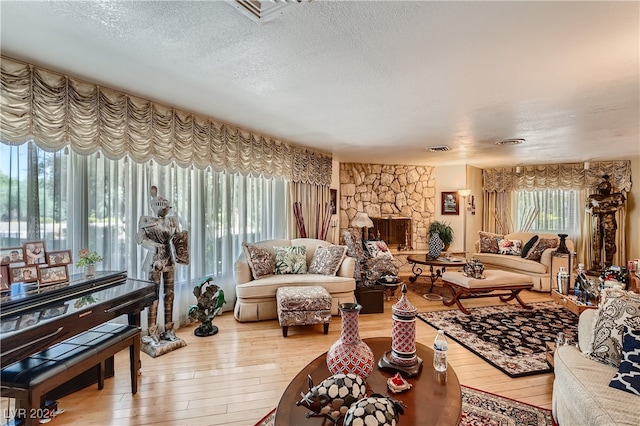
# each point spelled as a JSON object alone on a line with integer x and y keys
{"x": 440, "y": 148}
{"x": 513, "y": 141}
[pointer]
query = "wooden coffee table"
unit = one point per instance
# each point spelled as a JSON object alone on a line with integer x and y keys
{"x": 434, "y": 399}
{"x": 437, "y": 267}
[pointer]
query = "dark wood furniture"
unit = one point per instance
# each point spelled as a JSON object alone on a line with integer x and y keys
{"x": 434, "y": 399}
{"x": 570, "y": 302}
{"x": 437, "y": 267}
{"x": 466, "y": 288}
{"x": 395, "y": 231}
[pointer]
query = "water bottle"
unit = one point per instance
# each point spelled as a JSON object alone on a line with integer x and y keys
{"x": 440, "y": 347}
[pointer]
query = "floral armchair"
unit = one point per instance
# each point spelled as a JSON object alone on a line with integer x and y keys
{"x": 368, "y": 268}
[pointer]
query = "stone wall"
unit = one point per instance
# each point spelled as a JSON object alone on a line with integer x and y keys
{"x": 389, "y": 191}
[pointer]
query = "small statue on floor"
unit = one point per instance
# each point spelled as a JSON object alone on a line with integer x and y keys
{"x": 210, "y": 300}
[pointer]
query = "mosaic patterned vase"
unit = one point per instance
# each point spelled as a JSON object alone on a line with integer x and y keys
{"x": 350, "y": 354}
{"x": 435, "y": 245}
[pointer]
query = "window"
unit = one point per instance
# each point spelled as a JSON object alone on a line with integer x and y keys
{"x": 548, "y": 211}
{"x": 72, "y": 201}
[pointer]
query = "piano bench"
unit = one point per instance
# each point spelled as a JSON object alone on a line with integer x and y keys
{"x": 29, "y": 380}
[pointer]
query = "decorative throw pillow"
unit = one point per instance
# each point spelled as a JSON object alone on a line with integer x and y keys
{"x": 510, "y": 247}
{"x": 291, "y": 259}
{"x": 378, "y": 249}
{"x": 543, "y": 243}
{"x": 617, "y": 309}
{"x": 489, "y": 242}
{"x": 260, "y": 260}
{"x": 628, "y": 376}
{"x": 327, "y": 260}
{"x": 529, "y": 244}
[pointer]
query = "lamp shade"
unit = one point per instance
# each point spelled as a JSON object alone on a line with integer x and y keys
{"x": 362, "y": 220}
{"x": 464, "y": 192}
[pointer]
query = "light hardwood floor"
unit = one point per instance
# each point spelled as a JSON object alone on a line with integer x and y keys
{"x": 238, "y": 375}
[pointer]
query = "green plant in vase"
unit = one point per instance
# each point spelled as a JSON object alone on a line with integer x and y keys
{"x": 444, "y": 230}
{"x": 88, "y": 259}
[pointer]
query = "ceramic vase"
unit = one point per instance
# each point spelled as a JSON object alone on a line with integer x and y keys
{"x": 350, "y": 354}
{"x": 435, "y": 245}
{"x": 91, "y": 271}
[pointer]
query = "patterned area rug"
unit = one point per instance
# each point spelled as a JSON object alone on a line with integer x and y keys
{"x": 483, "y": 408}
{"x": 508, "y": 337}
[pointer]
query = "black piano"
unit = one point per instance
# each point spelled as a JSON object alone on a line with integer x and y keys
{"x": 33, "y": 317}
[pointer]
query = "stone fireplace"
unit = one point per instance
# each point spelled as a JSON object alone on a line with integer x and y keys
{"x": 389, "y": 192}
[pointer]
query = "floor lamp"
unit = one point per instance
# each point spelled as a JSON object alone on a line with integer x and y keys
{"x": 464, "y": 193}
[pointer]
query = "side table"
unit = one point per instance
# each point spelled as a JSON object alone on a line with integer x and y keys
{"x": 549, "y": 352}
{"x": 570, "y": 302}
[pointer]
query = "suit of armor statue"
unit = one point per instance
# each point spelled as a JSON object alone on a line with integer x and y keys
{"x": 161, "y": 235}
{"x": 603, "y": 206}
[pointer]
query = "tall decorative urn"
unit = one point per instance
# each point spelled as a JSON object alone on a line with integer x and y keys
{"x": 436, "y": 245}
{"x": 402, "y": 356}
{"x": 350, "y": 354}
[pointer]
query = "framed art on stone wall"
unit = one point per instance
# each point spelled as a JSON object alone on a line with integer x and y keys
{"x": 450, "y": 203}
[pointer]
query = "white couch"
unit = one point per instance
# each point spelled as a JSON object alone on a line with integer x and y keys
{"x": 581, "y": 392}
{"x": 256, "y": 299}
{"x": 539, "y": 271}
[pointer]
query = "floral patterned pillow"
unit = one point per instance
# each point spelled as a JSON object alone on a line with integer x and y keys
{"x": 489, "y": 242}
{"x": 260, "y": 260}
{"x": 543, "y": 243}
{"x": 510, "y": 247}
{"x": 617, "y": 309}
{"x": 378, "y": 249}
{"x": 327, "y": 260}
{"x": 291, "y": 259}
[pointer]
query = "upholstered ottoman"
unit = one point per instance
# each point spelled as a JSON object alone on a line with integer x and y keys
{"x": 303, "y": 306}
{"x": 463, "y": 287}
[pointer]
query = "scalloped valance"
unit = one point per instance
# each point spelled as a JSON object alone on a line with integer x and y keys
{"x": 56, "y": 111}
{"x": 562, "y": 176}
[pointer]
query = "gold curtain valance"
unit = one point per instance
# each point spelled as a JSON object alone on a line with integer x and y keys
{"x": 54, "y": 111}
{"x": 562, "y": 176}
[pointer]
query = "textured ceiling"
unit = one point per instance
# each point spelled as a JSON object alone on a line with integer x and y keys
{"x": 367, "y": 81}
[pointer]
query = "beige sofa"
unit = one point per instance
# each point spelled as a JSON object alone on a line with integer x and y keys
{"x": 581, "y": 392}
{"x": 256, "y": 299}
{"x": 539, "y": 271}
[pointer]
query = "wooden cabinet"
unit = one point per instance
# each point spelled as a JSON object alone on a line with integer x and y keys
{"x": 570, "y": 302}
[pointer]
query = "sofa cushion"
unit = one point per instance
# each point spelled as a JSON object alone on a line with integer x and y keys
{"x": 268, "y": 286}
{"x": 290, "y": 260}
{"x": 378, "y": 249}
{"x": 489, "y": 242}
{"x": 628, "y": 376}
{"x": 513, "y": 263}
{"x": 617, "y": 309}
{"x": 528, "y": 246}
{"x": 260, "y": 259}
{"x": 540, "y": 246}
{"x": 327, "y": 260}
{"x": 510, "y": 247}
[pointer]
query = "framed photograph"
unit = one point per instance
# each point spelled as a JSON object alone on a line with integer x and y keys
{"x": 9, "y": 324}
{"x": 4, "y": 278}
{"x": 11, "y": 255}
{"x": 60, "y": 257}
{"x": 55, "y": 311}
{"x": 34, "y": 252}
{"x": 27, "y": 320}
{"x": 450, "y": 203}
{"x": 334, "y": 200}
{"x": 23, "y": 274}
{"x": 53, "y": 274}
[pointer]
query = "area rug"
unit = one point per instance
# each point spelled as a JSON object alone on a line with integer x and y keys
{"x": 482, "y": 408}
{"x": 509, "y": 337}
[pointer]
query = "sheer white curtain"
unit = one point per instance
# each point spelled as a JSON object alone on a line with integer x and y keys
{"x": 94, "y": 202}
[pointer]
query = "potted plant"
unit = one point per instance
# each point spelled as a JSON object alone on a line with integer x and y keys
{"x": 444, "y": 230}
{"x": 88, "y": 259}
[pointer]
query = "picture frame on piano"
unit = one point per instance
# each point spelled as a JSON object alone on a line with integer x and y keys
{"x": 28, "y": 320}
{"x": 34, "y": 252}
{"x": 23, "y": 274}
{"x": 58, "y": 257}
{"x": 11, "y": 255}
{"x": 4, "y": 278}
{"x": 53, "y": 274}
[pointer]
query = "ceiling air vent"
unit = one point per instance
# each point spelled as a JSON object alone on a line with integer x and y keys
{"x": 441, "y": 148}
{"x": 262, "y": 10}
{"x": 512, "y": 141}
